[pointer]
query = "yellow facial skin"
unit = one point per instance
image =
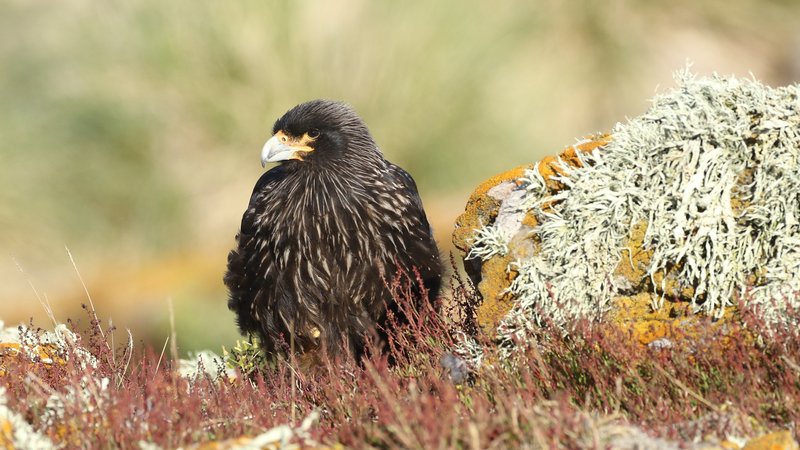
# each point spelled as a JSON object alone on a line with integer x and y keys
{"x": 282, "y": 146}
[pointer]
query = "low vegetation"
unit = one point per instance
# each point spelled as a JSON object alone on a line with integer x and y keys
{"x": 592, "y": 388}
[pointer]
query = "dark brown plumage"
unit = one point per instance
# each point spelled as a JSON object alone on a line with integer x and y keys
{"x": 324, "y": 232}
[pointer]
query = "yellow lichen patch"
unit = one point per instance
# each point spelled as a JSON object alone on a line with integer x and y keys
{"x": 530, "y": 220}
{"x": 779, "y": 440}
{"x": 549, "y": 166}
{"x": 66, "y": 433}
{"x": 46, "y": 354}
{"x": 6, "y": 434}
{"x": 745, "y": 179}
{"x": 669, "y": 284}
{"x": 634, "y": 259}
{"x": 495, "y": 280}
{"x": 634, "y": 315}
{"x": 71, "y": 430}
{"x": 9, "y": 349}
{"x": 729, "y": 445}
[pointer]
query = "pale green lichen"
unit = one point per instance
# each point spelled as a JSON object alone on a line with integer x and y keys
{"x": 90, "y": 393}
{"x": 20, "y": 433}
{"x": 489, "y": 241}
{"x": 60, "y": 340}
{"x": 205, "y": 363}
{"x": 468, "y": 349}
{"x": 713, "y": 168}
{"x": 284, "y": 437}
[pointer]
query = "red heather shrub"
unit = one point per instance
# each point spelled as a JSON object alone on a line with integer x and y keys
{"x": 557, "y": 391}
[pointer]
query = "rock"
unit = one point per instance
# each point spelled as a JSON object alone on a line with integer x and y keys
{"x": 778, "y": 440}
{"x": 657, "y": 228}
{"x": 456, "y": 367}
{"x": 46, "y": 348}
{"x": 496, "y": 202}
{"x": 205, "y": 363}
{"x": 283, "y": 437}
{"x": 15, "y": 432}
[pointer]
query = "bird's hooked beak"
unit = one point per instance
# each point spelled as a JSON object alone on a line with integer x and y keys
{"x": 283, "y": 147}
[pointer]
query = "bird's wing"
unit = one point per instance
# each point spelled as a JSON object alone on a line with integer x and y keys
{"x": 262, "y": 189}
{"x": 425, "y": 252}
{"x": 408, "y": 188}
{"x": 242, "y": 277}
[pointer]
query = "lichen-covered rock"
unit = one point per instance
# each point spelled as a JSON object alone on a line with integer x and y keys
{"x": 681, "y": 211}
{"x": 15, "y": 432}
{"x": 45, "y": 347}
{"x": 496, "y": 202}
{"x": 283, "y": 437}
{"x": 779, "y": 440}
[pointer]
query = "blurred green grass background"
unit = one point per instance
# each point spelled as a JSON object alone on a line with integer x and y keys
{"x": 130, "y": 130}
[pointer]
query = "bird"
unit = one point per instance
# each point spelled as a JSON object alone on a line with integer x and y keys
{"x": 325, "y": 234}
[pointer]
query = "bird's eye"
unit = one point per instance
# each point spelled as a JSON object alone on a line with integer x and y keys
{"x": 313, "y": 133}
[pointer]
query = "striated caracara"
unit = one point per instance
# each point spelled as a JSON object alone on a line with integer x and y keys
{"x": 325, "y": 231}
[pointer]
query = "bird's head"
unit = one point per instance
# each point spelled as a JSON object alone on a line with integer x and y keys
{"x": 319, "y": 131}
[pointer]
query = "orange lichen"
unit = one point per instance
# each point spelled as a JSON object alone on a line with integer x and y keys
{"x": 549, "y": 166}
{"x": 530, "y": 220}
{"x": 495, "y": 280}
{"x": 635, "y": 315}
{"x": 778, "y": 440}
{"x": 46, "y": 353}
{"x": 481, "y": 208}
{"x": 634, "y": 259}
{"x": 6, "y": 434}
{"x": 668, "y": 283}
